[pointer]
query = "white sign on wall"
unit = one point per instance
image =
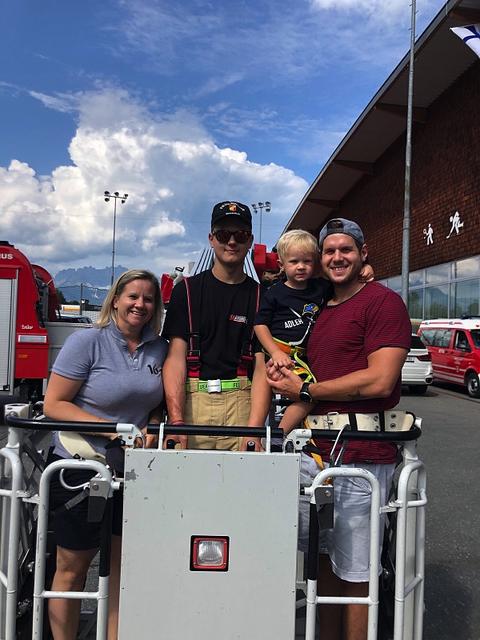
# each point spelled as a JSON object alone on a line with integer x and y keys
{"x": 456, "y": 224}
{"x": 428, "y": 234}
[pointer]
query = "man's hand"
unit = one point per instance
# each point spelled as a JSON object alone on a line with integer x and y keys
{"x": 256, "y": 441}
{"x": 284, "y": 381}
{"x": 151, "y": 441}
{"x": 179, "y": 440}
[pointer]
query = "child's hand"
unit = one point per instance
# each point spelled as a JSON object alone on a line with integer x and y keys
{"x": 281, "y": 359}
{"x": 366, "y": 274}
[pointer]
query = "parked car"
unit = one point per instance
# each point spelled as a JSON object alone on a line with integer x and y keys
{"x": 454, "y": 345}
{"x": 417, "y": 371}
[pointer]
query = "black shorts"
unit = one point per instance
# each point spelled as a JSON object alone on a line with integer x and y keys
{"x": 72, "y": 529}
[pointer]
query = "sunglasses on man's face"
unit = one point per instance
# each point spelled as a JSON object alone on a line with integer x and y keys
{"x": 239, "y": 235}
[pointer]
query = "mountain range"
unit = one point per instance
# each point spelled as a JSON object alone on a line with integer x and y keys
{"x": 88, "y": 282}
{"x": 90, "y": 276}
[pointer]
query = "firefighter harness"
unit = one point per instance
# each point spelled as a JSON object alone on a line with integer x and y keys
{"x": 245, "y": 363}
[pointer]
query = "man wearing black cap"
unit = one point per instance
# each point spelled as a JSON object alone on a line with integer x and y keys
{"x": 356, "y": 352}
{"x": 214, "y": 373}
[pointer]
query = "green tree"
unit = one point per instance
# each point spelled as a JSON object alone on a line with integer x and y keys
{"x": 60, "y": 297}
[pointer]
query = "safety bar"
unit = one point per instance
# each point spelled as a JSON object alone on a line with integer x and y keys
{"x": 237, "y": 431}
{"x": 153, "y": 429}
{"x": 39, "y": 591}
{"x": 188, "y": 430}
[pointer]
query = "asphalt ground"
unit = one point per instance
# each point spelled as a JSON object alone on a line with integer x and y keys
{"x": 449, "y": 447}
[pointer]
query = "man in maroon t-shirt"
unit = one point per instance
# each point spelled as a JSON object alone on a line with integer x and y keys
{"x": 356, "y": 351}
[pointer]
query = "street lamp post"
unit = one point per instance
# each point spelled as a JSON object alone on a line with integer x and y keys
{"x": 115, "y": 196}
{"x": 408, "y": 163}
{"x": 258, "y": 207}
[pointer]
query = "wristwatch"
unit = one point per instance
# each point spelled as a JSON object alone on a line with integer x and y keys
{"x": 304, "y": 393}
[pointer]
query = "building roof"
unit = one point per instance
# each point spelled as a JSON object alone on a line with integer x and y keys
{"x": 440, "y": 58}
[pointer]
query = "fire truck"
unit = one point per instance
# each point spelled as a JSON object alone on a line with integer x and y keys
{"x": 31, "y": 333}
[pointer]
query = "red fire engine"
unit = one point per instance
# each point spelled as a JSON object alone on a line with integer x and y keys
{"x": 264, "y": 260}
{"x": 30, "y": 331}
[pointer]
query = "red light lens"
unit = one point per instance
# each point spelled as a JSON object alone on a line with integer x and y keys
{"x": 209, "y": 553}
{"x": 426, "y": 358}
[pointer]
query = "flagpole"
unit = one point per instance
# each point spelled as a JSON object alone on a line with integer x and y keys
{"x": 408, "y": 165}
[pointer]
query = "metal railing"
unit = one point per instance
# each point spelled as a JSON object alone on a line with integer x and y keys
{"x": 407, "y": 505}
{"x": 20, "y": 491}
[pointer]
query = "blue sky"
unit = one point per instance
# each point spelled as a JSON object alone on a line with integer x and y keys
{"x": 180, "y": 104}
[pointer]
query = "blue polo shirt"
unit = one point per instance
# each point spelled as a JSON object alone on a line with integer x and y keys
{"x": 117, "y": 385}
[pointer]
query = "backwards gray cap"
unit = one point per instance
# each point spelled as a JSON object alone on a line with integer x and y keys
{"x": 342, "y": 225}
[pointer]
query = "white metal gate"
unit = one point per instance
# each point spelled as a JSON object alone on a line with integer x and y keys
{"x": 243, "y": 504}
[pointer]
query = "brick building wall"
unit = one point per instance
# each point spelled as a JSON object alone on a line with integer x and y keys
{"x": 445, "y": 179}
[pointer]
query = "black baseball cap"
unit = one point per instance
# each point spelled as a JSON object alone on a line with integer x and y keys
{"x": 342, "y": 225}
{"x": 233, "y": 210}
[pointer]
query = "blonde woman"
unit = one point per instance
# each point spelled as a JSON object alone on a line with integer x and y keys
{"x": 110, "y": 373}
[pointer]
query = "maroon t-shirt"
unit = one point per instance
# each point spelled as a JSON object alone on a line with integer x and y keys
{"x": 343, "y": 337}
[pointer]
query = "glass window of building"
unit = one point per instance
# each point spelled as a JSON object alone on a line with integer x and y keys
{"x": 416, "y": 278}
{"x": 437, "y": 274}
{"x": 436, "y": 302}
{"x": 415, "y": 303}
{"x": 448, "y": 290}
{"x": 465, "y": 298}
{"x": 468, "y": 268}
{"x": 395, "y": 283}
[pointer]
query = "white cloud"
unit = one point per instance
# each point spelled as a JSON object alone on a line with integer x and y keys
{"x": 292, "y": 42}
{"x": 169, "y": 165}
{"x": 163, "y": 229}
{"x": 61, "y": 102}
{"x": 213, "y": 85}
{"x": 380, "y": 10}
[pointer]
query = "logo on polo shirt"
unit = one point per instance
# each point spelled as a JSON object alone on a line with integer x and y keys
{"x": 240, "y": 319}
{"x": 154, "y": 369}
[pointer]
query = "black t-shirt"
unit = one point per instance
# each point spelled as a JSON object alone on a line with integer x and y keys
{"x": 220, "y": 314}
{"x": 290, "y": 313}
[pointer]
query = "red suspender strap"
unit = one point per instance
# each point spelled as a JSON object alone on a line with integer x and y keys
{"x": 246, "y": 357}
{"x": 193, "y": 351}
{"x": 189, "y": 309}
{"x": 257, "y": 306}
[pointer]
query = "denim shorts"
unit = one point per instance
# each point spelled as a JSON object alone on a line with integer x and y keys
{"x": 348, "y": 542}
